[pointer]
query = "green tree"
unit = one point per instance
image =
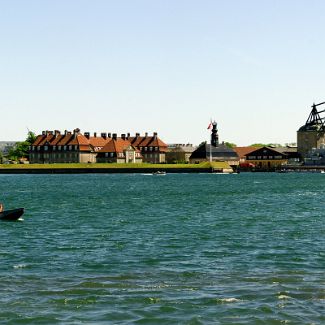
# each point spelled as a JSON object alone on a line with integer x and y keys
{"x": 21, "y": 149}
{"x": 202, "y": 143}
{"x": 230, "y": 145}
{"x": 260, "y": 145}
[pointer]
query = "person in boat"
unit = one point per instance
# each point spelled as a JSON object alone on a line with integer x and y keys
{"x": 1, "y": 207}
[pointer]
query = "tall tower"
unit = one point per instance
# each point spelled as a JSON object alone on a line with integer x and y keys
{"x": 214, "y": 135}
{"x": 312, "y": 134}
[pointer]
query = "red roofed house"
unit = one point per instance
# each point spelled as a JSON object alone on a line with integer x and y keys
{"x": 119, "y": 150}
{"x": 153, "y": 150}
{"x": 70, "y": 147}
{"x": 74, "y": 147}
{"x": 242, "y": 152}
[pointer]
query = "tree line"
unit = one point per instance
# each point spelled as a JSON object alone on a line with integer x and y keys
{"x": 20, "y": 149}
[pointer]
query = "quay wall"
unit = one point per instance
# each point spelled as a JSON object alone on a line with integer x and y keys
{"x": 100, "y": 170}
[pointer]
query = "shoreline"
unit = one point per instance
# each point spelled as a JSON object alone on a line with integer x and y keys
{"x": 99, "y": 170}
{"x": 125, "y": 169}
{"x": 79, "y": 168}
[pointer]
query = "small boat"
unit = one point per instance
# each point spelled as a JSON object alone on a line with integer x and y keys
{"x": 11, "y": 215}
{"x": 159, "y": 172}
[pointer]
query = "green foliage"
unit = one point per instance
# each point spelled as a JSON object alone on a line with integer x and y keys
{"x": 31, "y": 137}
{"x": 202, "y": 143}
{"x": 230, "y": 145}
{"x": 21, "y": 149}
{"x": 260, "y": 145}
{"x": 110, "y": 166}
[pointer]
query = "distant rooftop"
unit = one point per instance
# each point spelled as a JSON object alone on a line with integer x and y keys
{"x": 6, "y": 145}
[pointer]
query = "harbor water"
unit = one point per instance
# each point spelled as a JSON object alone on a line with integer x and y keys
{"x": 164, "y": 249}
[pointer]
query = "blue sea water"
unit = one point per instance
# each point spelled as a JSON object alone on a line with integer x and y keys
{"x": 174, "y": 249}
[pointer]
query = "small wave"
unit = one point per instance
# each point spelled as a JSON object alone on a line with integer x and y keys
{"x": 20, "y": 266}
{"x": 282, "y": 297}
{"x": 227, "y": 300}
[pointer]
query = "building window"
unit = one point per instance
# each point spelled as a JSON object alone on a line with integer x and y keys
{"x": 156, "y": 148}
{"x": 59, "y": 147}
{"x": 112, "y": 154}
{"x": 150, "y": 148}
{"x": 65, "y": 148}
{"x": 264, "y": 157}
{"x": 70, "y": 147}
{"x": 75, "y": 147}
{"x": 259, "y": 157}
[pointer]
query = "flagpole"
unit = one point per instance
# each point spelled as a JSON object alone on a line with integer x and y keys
{"x": 210, "y": 152}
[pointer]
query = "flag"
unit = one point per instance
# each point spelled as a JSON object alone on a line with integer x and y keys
{"x": 210, "y": 126}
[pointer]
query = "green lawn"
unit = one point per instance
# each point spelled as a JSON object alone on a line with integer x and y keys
{"x": 115, "y": 165}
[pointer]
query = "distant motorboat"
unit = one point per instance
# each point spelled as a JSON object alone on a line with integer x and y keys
{"x": 159, "y": 172}
{"x": 11, "y": 215}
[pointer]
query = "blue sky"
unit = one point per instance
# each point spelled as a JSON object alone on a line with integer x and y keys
{"x": 168, "y": 66}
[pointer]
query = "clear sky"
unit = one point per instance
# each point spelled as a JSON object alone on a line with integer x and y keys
{"x": 168, "y": 66}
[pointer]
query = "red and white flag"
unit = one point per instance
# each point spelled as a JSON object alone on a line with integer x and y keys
{"x": 210, "y": 126}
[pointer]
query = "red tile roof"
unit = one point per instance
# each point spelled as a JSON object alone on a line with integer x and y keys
{"x": 43, "y": 139}
{"x": 57, "y": 139}
{"x": 148, "y": 141}
{"x": 98, "y": 144}
{"x": 65, "y": 139}
{"x": 242, "y": 151}
{"x": 135, "y": 141}
{"x": 116, "y": 145}
{"x": 38, "y": 140}
{"x": 156, "y": 142}
{"x": 98, "y": 141}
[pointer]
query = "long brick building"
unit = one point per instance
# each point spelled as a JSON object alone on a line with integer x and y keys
{"x": 75, "y": 147}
